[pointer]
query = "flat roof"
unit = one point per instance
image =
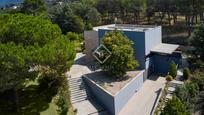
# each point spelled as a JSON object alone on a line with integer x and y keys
{"x": 164, "y": 48}
{"x": 126, "y": 27}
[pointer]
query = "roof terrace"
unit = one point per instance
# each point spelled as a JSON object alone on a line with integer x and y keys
{"x": 126, "y": 27}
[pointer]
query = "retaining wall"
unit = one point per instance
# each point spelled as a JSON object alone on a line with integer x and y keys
{"x": 104, "y": 97}
{"x": 115, "y": 103}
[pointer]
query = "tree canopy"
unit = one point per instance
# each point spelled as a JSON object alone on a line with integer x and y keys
{"x": 27, "y": 30}
{"x": 174, "y": 107}
{"x": 38, "y": 46}
{"x": 198, "y": 78}
{"x": 33, "y": 7}
{"x": 67, "y": 20}
{"x": 13, "y": 67}
{"x": 122, "y": 54}
{"x": 188, "y": 94}
{"x": 198, "y": 41}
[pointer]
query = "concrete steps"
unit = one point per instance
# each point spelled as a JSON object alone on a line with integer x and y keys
{"x": 79, "y": 90}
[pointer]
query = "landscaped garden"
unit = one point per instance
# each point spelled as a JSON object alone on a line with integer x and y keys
{"x": 188, "y": 98}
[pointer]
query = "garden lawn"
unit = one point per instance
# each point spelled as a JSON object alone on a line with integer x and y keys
{"x": 52, "y": 110}
{"x": 34, "y": 101}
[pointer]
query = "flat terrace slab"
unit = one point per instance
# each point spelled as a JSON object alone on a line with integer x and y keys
{"x": 164, "y": 48}
{"x": 112, "y": 84}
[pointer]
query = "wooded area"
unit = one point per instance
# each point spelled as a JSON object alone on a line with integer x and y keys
{"x": 37, "y": 42}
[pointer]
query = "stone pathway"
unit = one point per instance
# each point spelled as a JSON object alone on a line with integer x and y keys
{"x": 78, "y": 68}
{"x": 178, "y": 80}
{"x": 172, "y": 87}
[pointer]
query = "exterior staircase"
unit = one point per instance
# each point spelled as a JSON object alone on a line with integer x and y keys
{"x": 79, "y": 90}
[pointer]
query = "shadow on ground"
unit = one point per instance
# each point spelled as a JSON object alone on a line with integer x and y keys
{"x": 80, "y": 61}
{"x": 155, "y": 102}
{"x": 103, "y": 77}
{"x": 32, "y": 100}
{"x": 100, "y": 109}
{"x": 154, "y": 77}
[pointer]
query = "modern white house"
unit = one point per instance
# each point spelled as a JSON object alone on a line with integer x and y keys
{"x": 153, "y": 56}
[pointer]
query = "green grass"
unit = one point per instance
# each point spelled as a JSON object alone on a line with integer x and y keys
{"x": 71, "y": 112}
{"x": 52, "y": 110}
{"x": 34, "y": 101}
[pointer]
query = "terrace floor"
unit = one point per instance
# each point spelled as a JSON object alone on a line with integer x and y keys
{"x": 109, "y": 83}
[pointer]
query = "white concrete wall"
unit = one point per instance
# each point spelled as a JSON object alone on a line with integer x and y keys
{"x": 91, "y": 43}
{"x": 152, "y": 38}
{"x": 127, "y": 92}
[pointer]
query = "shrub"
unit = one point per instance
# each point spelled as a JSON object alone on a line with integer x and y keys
{"x": 188, "y": 93}
{"x": 174, "y": 107}
{"x": 198, "y": 78}
{"x": 173, "y": 70}
{"x": 186, "y": 73}
{"x": 88, "y": 26}
{"x": 62, "y": 104}
{"x": 169, "y": 78}
{"x": 197, "y": 41}
{"x": 191, "y": 89}
{"x": 63, "y": 101}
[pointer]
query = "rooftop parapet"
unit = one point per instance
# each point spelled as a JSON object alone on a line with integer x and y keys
{"x": 126, "y": 27}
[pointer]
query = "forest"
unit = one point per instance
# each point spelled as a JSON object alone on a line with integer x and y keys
{"x": 39, "y": 40}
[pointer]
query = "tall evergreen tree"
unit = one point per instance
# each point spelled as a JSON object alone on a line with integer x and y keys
{"x": 33, "y": 7}
{"x": 173, "y": 70}
{"x": 198, "y": 41}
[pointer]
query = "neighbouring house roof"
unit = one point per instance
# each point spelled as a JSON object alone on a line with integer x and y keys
{"x": 164, "y": 48}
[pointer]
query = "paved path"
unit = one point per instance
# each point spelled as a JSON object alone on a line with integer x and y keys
{"x": 143, "y": 101}
{"x": 172, "y": 87}
{"x": 89, "y": 107}
{"x": 78, "y": 68}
